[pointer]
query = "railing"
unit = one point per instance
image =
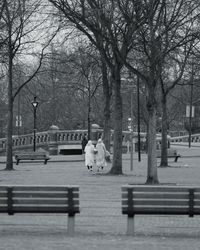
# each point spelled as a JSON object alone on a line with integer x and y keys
{"x": 178, "y": 133}
{"x": 61, "y": 137}
{"x": 70, "y": 135}
{"x": 26, "y": 140}
{"x": 194, "y": 138}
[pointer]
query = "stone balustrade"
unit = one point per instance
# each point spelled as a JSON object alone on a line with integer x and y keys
{"x": 51, "y": 139}
{"x": 194, "y": 138}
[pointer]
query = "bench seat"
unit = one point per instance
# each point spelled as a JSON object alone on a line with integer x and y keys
{"x": 158, "y": 199}
{"x": 41, "y": 199}
{"x": 32, "y": 156}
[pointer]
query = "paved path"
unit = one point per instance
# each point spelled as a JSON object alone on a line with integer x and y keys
{"x": 100, "y": 224}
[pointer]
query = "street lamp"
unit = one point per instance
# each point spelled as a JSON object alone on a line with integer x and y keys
{"x": 34, "y": 104}
{"x": 130, "y": 127}
{"x": 138, "y": 113}
{"x": 191, "y": 115}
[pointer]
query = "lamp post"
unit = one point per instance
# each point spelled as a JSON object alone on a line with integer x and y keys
{"x": 138, "y": 113}
{"x": 34, "y": 104}
{"x": 130, "y": 121}
{"x": 137, "y": 92}
{"x": 191, "y": 114}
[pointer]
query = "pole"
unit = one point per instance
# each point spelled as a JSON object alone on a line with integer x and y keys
{"x": 138, "y": 112}
{"x": 34, "y": 104}
{"x": 34, "y": 131}
{"x": 131, "y": 160}
{"x": 190, "y": 115}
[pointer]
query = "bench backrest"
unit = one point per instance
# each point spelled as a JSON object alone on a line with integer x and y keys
{"x": 31, "y": 154}
{"x": 39, "y": 199}
{"x": 28, "y": 157}
{"x": 170, "y": 152}
{"x": 150, "y": 199}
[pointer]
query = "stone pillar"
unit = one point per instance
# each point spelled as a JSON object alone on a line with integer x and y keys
{"x": 53, "y": 145}
{"x": 94, "y": 133}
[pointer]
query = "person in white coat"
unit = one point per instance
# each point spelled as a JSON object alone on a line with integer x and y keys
{"x": 89, "y": 155}
{"x": 101, "y": 155}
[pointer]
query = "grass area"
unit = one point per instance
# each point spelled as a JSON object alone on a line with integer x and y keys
{"x": 100, "y": 224}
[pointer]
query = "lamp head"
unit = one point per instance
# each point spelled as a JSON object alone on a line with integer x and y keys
{"x": 34, "y": 103}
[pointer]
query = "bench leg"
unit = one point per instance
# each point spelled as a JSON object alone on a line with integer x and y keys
{"x": 17, "y": 161}
{"x": 71, "y": 224}
{"x": 45, "y": 161}
{"x": 130, "y": 225}
{"x": 176, "y": 158}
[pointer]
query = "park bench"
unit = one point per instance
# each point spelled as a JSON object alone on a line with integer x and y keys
{"x": 43, "y": 155}
{"x": 41, "y": 199}
{"x": 171, "y": 153}
{"x": 157, "y": 200}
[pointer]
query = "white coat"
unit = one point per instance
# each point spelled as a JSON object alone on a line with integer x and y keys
{"x": 101, "y": 154}
{"x": 89, "y": 154}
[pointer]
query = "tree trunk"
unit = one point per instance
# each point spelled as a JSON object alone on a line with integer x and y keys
{"x": 152, "y": 177}
{"x": 164, "y": 159}
{"x": 117, "y": 145}
{"x": 107, "y": 92}
{"x": 88, "y": 117}
{"x": 9, "y": 151}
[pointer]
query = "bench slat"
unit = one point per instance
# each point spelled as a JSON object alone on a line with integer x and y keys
{"x": 45, "y": 188}
{"x": 161, "y": 202}
{"x": 3, "y": 201}
{"x": 31, "y": 155}
{"x": 40, "y": 209}
{"x": 157, "y": 203}
{"x": 43, "y": 195}
{"x": 160, "y": 210}
{"x": 159, "y": 188}
{"x": 43, "y": 201}
{"x": 40, "y": 189}
{"x": 3, "y": 194}
{"x": 157, "y": 195}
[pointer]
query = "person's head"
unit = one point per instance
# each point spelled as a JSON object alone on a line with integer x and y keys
{"x": 100, "y": 140}
{"x": 89, "y": 143}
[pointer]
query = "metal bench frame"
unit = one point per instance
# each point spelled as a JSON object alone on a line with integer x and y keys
{"x": 158, "y": 199}
{"x": 41, "y": 199}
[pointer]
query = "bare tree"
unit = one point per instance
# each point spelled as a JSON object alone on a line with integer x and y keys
{"x": 19, "y": 27}
{"x": 110, "y": 26}
{"x": 170, "y": 27}
{"x": 87, "y": 79}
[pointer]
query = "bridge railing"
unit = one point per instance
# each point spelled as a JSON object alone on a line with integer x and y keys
{"x": 194, "y": 138}
{"x": 26, "y": 140}
{"x": 44, "y": 139}
{"x": 47, "y": 138}
{"x": 70, "y": 135}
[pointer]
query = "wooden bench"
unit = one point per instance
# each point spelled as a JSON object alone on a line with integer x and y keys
{"x": 171, "y": 153}
{"x": 41, "y": 199}
{"x": 158, "y": 199}
{"x": 32, "y": 156}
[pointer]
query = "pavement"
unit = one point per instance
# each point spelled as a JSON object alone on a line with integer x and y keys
{"x": 100, "y": 224}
